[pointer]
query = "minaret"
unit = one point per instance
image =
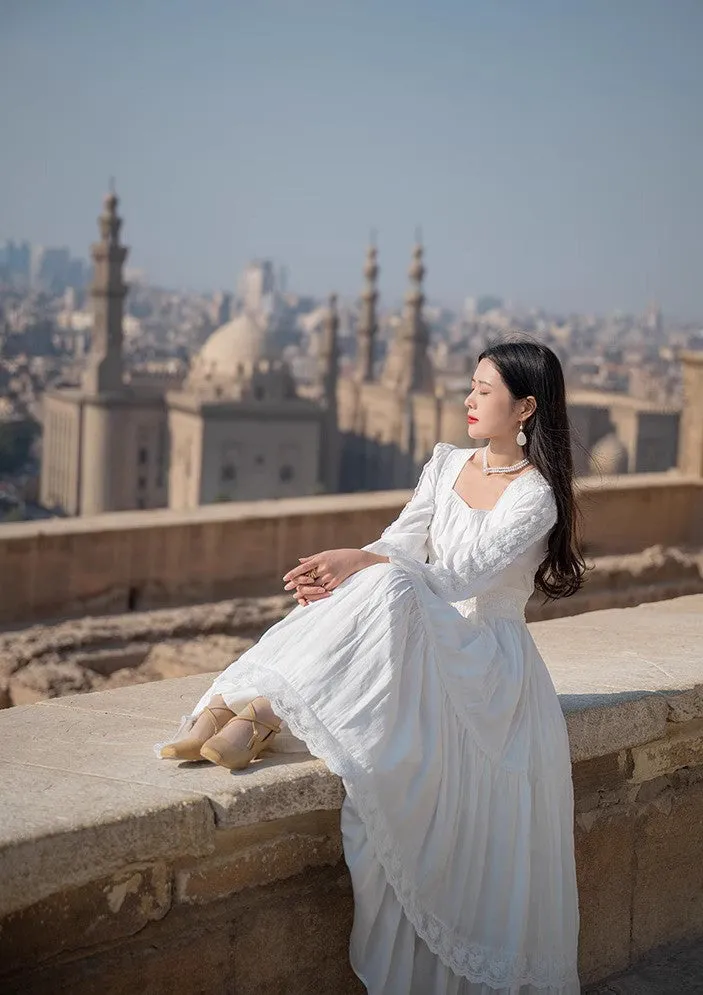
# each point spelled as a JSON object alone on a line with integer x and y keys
{"x": 408, "y": 366}
{"x": 103, "y": 372}
{"x": 368, "y": 326}
{"x": 329, "y": 362}
{"x": 328, "y": 352}
{"x": 414, "y": 327}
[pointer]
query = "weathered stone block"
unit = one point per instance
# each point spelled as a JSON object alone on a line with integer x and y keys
{"x": 605, "y": 873}
{"x": 115, "y": 906}
{"x": 601, "y": 773}
{"x": 289, "y": 938}
{"x": 667, "y": 904}
{"x": 60, "y": 830}
{"x": 194, "y": 961}
{"x": 297, "y": 947}
{"x": 683, "y": 747}
{"x": 254, "y": 856}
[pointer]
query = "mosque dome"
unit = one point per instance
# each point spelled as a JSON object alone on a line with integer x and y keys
{"x": 234, "y": 349}
{"x": 240, "y": 360}
{"x": 608, "y": 455}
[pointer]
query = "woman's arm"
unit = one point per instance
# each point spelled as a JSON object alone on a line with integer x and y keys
{"x": 472, "y": 565}
{"x": 407, "y": 535}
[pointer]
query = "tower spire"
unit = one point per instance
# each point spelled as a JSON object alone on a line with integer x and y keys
{"x": 408, "y": 367}
{"x": 368, "y": 326}
{"x": 414, "y": 327}
{"x": 103, "y": 371}
{"x": 329, "y": 345}
{"x": 328, "y": 469}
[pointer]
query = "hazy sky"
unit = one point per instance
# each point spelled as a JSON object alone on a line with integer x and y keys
{"x": 551, "y": 151}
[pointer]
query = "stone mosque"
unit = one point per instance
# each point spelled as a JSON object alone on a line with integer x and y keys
{"x": 240, "y": 429}
{"x": 236, "y": 430}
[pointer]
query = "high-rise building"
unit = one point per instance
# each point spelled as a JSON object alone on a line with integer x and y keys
{"x": 257, "y": 286}
{"x": 15, "y": 263}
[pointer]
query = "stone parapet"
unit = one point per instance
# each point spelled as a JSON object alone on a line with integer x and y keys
{"x": 149, "y": 559}
{"x": 120, "y": 871}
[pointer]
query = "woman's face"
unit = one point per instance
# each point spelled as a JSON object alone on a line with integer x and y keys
{"x": 490, "y": 406}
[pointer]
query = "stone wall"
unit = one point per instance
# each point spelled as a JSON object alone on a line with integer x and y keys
{"x": 149, "y": 559}
{"x": 122, "y": 872}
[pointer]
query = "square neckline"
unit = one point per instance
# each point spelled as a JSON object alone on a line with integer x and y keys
{"x": 500, "y": 496}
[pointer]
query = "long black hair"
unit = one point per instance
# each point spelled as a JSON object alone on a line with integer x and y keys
{"x": 531, "y": 368}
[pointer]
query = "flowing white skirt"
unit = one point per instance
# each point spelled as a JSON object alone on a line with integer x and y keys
{"x": 452, "y": 746}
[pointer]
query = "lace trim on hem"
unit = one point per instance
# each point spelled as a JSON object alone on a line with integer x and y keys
{"x": 477, "y": 963}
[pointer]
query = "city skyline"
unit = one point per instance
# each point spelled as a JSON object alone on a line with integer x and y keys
{"x": 573, "y": 187}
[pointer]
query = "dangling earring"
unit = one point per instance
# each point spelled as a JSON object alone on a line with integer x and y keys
{"x": 521, "y": 438}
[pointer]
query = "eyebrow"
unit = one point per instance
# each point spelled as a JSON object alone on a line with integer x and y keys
{"x": 481, "y": 381}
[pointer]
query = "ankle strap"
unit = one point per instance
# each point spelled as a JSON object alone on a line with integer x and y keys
{"x": 253, "y": 718}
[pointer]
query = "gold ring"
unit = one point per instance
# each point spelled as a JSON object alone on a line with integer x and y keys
{"x": 313, "y": 573}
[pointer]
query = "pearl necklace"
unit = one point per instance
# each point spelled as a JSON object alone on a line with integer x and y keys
{"x": 502, "y": 469}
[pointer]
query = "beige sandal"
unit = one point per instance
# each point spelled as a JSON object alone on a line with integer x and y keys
{"x": 220, "y": 751}
{"x": 189, "y": 747}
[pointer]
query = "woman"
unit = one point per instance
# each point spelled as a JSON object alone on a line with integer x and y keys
{"x": 408, "y": 667}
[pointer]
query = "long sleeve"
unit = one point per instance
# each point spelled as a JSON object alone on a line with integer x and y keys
{"x": 407, "y": 535}
{"x": 473, "y": 565}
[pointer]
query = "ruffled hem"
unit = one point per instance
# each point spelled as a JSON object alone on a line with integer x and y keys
{"x": 479, "y": 964}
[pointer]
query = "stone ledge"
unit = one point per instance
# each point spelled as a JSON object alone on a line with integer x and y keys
{"x": 624, "y": 675}
{"x": 308, "y": 505}
{"x": 85, "y": 798}
{"x": 156, "y": 559}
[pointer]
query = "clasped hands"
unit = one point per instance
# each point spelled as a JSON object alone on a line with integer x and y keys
{"x": 330, "y": 567}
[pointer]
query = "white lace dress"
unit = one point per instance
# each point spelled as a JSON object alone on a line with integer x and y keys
{"x": 420, "y": 685}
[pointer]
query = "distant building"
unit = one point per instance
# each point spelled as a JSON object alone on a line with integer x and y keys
{"x": 15, "y": 263}
{"x": 105, "y": 445}
{"x": 390, "y": 423}
{"x": 614, "y": 433}
{"x": 221, "y": 309}
{"x": 239, "y": 428}
{"x": 53, "y": 270}
{"x": 235, "y": 430}
{"x": 257, "y": 286}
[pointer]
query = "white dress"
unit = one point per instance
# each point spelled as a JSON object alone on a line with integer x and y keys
{"x": 420, "y": 685}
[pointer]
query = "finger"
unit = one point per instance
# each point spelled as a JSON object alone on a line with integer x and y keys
{"x": 298, "y": 581}
{"x": 309, "y": 589}
{"x": 303, "y": 569}
{"x": 313, "y": 595}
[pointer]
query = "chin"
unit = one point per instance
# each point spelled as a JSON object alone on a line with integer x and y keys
{"x": 474, "y": 431}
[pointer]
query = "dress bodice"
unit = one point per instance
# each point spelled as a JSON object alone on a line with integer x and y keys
{"x": 482, "y": 561}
